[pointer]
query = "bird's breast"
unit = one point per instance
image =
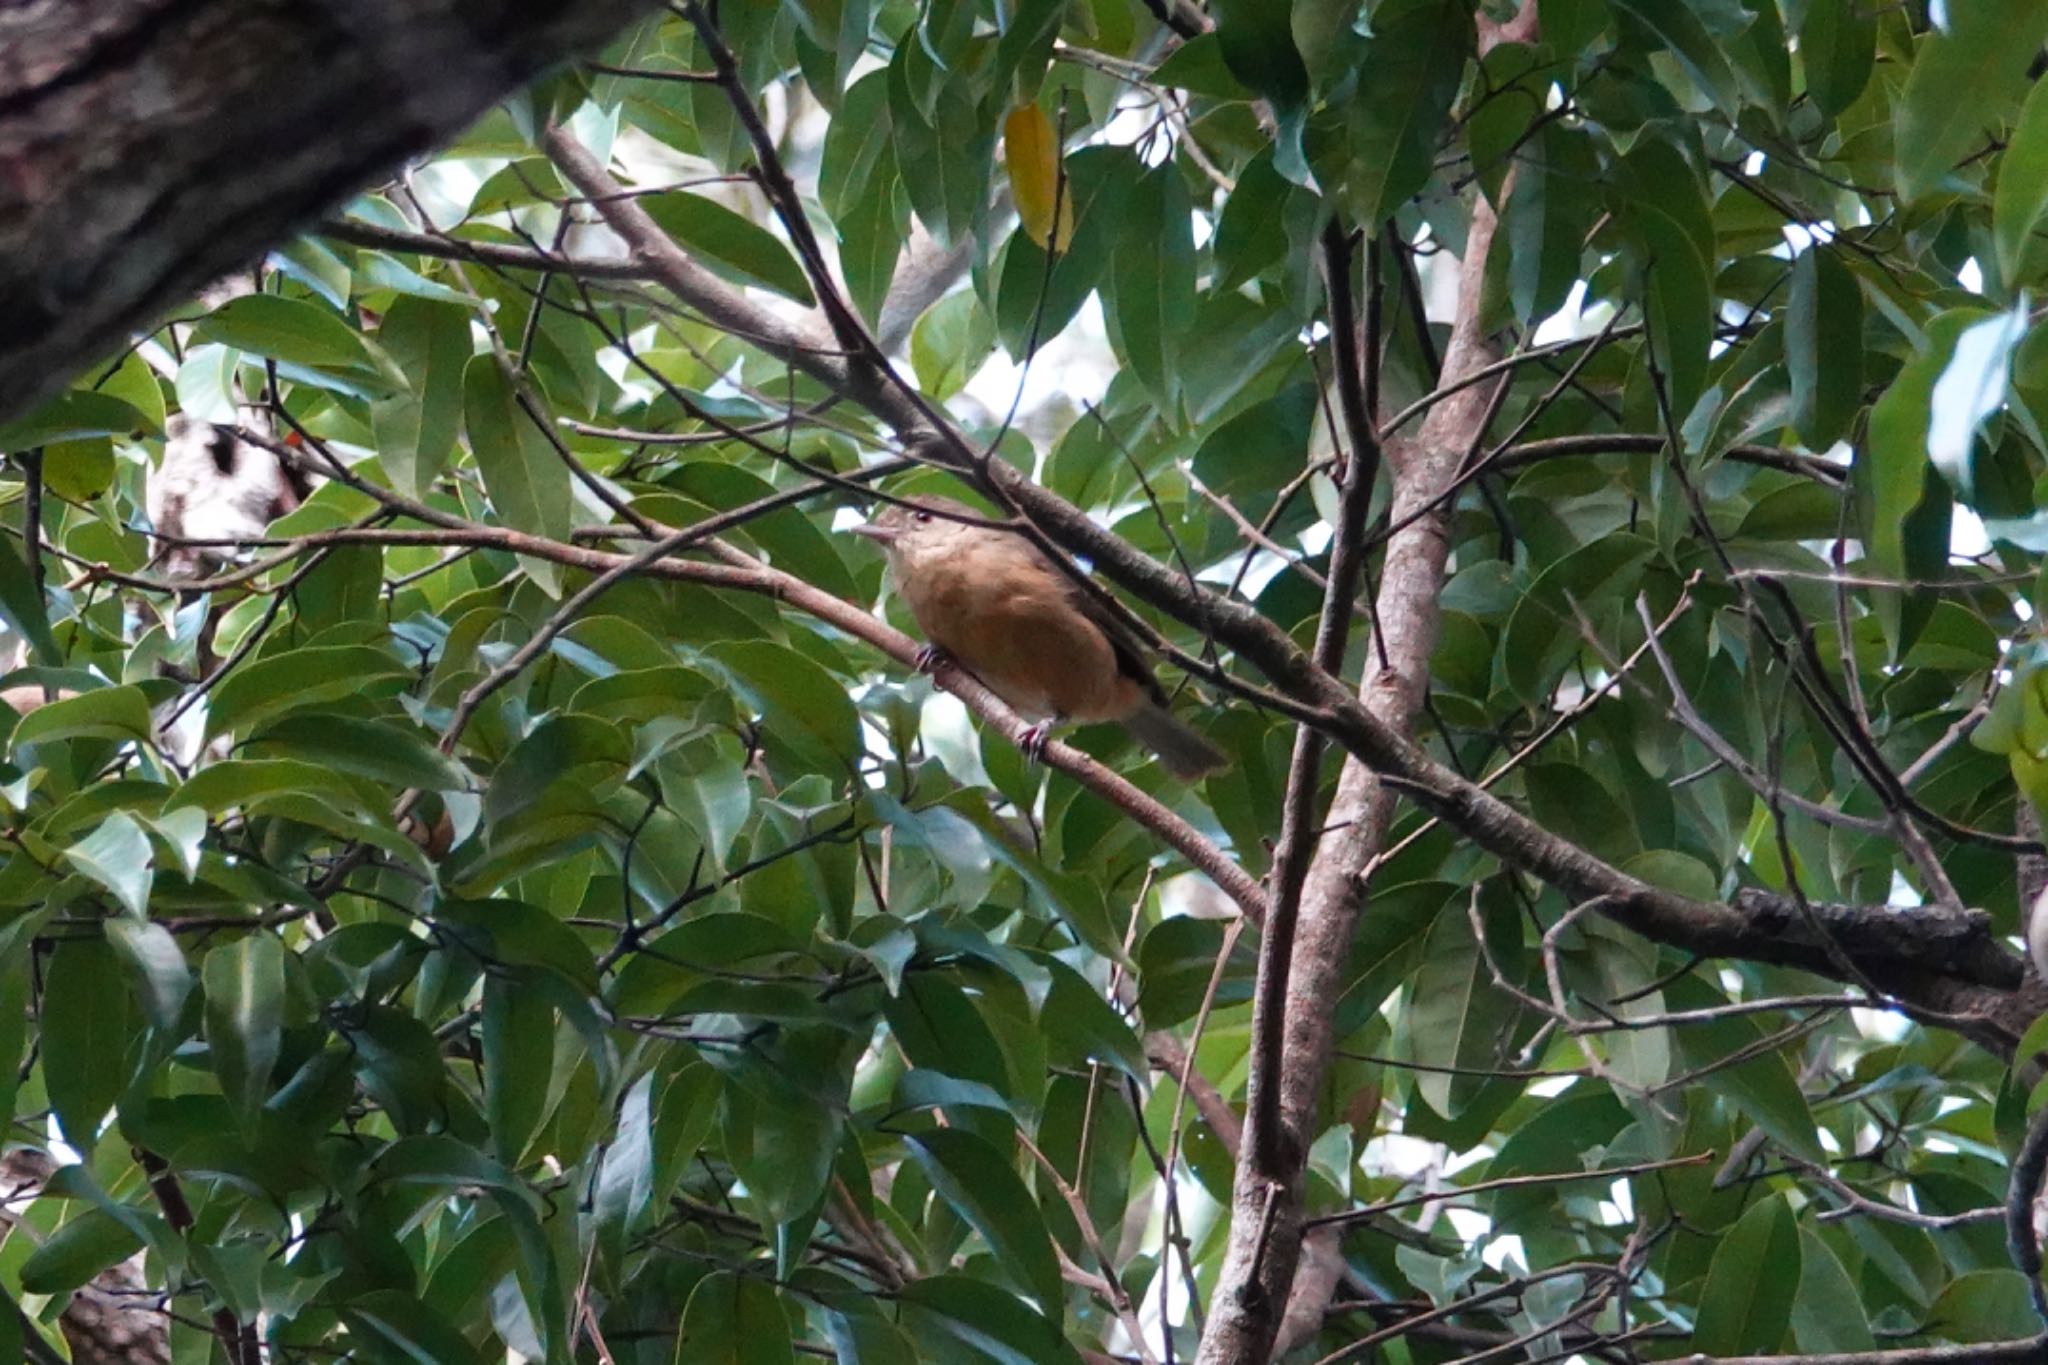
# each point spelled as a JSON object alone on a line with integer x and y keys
{"x": 1012, "y": 622}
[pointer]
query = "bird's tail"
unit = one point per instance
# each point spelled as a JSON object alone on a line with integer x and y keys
{"x": 1186, "y": 754}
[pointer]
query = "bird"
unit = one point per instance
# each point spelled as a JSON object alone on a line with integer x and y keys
{"x": 214, "y": 488}
{"x": 990, "y": 600}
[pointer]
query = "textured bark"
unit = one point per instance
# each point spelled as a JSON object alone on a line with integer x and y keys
{"x": 1267, "y": 1210}
{"x": 1254, "y": 1291}
{"x": 149, "y": 146}
{"x": 113, "y": 1320}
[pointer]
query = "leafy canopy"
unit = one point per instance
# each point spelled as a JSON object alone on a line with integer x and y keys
{"x": 759, "y": 1000}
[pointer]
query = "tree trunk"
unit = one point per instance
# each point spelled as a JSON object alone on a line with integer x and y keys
{"x": 149, "y": 146}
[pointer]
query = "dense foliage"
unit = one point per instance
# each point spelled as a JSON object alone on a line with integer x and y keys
{"x": 460, "y": 929}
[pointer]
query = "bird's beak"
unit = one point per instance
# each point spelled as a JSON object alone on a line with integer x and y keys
{"x": 875, "y": 531}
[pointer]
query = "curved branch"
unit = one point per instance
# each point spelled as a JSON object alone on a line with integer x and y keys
{"x": 1974, "y": 967}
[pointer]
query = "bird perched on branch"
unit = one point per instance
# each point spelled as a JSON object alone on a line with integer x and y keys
{"x": 213, "y": 487}
{"x": 991, "y": 600}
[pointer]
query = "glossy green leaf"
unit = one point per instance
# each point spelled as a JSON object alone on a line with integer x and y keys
{"x": 524, "y": 474}
{"x": 728, "y": 243}
{"x": 86, "y": 1024}
{"x": 1962, "y": 80}
{"x": 1823, "y": 328}
{"x": 1417, "y": 55}
{"x": 116, "y": 713}
{"x": 299, "y": 333}
{"x": 1746, "y": 1305}
{"x": 734, "y": 1320}
{"x": 262, "y": 691}
{"x": 158, "y": 966}
{"x": 990, "y": 1320}
{"x": 244, "y": 983}
{"x": 85, "y": 1246}
{"x": 117, "y": 856}
{"x": 983, "y": 1187}
{"x": 1151, "y": 300}
{"x": 429, "y": 341}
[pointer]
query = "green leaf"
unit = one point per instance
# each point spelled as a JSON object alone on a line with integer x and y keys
{"x": 79, "y": 470}
{"x": 75, "y": 415}
{"x": 1151, "y": 299}
{"x": 407, "y": 1329}
{"x": 116, "y": 713}
{"x": 1746, "y": 1305}
{"x": 527, "y": 479}
{"x": 1258, "y": 47}
{"x": 136, "y": 384}
{"x": 158, "y": 966}
{"x": 728, "y": 244}
{"x": 1417, "y": 57}
{"x": 1837, "y": 48}
{"x": 1827, "y": 1313}
{"x": 1197, "y": 66}
{"x": 1823, "y": 346}
{"x": 1697, "y": 49}
{"x": 519, "y": 1058}
{"x": 984, "y": 1188}
{"x": 263, "y": 690}
{"x": 2022, "y": 196}
{"x": 90, "y": 1242}
{"x": 1083, "y": 1026}
{"x": 1971, "y": 388}
{"x": 1661, "y": 204}
{"x": 86, "y": 1024}
{"x": 733, "y": 1320}
{"x": 1762, "y": 1088}
{"x": 416, "y": 428}
{"x": 314, "y": 265}
{"x": 14, "y": 1030}
{"x": 244, "y": 983}
{"x": 1035, "y": 300}
{"x": 1551, "y": 208}
{"x": 946, "y": 150}
{"x": 22, "y": 606}
{"x": 1456, "y": 1017}
{"x": 1246, "y": 458}
{"x": 625, "y": 1178}
{"x": 1176, "y": 962}
{"x": 301, "y": 334}
{"x": 117, "y": 856}
{"x": 378, "y": 750}
{"x": 991, "y": 1320}
{"x": 1963, "y": 81}
{"x": 1894, "y": 453}
{"x": 520, "y": 935}
{"x": 1543, "y": 632}
{"x": 948, "y": 343}
{"x": 1987, "y": 1306}
{"x": 806, "y": 711}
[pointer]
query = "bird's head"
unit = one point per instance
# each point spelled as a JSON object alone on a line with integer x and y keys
{"x": 919, "y": 530}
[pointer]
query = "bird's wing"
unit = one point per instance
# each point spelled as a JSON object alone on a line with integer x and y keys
{"x": 1123, "y": 641}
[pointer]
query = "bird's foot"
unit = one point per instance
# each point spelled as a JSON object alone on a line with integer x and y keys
{"x": 1033, "y": 741}
{"x": 931, "y": 658}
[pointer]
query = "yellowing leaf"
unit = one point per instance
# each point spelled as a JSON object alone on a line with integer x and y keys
{"x": 1031, "y": 150}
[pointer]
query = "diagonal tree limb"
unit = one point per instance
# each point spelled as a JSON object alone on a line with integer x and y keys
{"x": 1969, "y": 971}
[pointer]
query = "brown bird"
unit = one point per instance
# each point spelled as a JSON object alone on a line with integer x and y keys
{"x": 991, "y": 599}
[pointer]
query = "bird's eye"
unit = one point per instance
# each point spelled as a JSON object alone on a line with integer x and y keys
{"x": 921, "y": 517}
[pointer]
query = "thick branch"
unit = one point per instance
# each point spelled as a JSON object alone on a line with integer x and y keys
{"x": 150, "y": 146}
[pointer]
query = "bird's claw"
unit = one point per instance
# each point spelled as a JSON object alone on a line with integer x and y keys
{"x": 1033, "y": 741}
{"x": 930, "y": 658}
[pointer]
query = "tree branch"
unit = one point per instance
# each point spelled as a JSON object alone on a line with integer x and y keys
{"x": 153, "y": 147}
